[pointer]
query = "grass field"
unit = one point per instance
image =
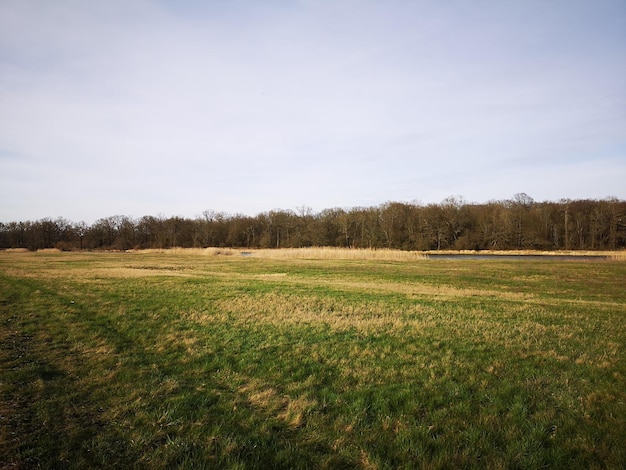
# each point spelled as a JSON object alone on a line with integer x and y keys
{"x": 165, "y": 360}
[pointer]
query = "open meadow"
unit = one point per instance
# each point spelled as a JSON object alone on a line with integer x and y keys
{"x": 214, "y": 359}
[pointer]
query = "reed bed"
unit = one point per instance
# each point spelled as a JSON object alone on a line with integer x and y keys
{"x": 15, "y": 250}
{"x": 383, "y": 254}
{"x": 319, "y": 253}
{"x": 617, "y": 256}
{"x": 333, "y": 253}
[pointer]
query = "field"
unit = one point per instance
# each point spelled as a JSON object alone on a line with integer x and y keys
{"x": 211, "y": 359}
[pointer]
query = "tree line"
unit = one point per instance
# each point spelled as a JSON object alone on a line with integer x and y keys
{"x": 517, "y": 223}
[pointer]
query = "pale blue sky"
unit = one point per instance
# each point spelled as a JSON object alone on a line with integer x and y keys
{"x": 172, "y": 107}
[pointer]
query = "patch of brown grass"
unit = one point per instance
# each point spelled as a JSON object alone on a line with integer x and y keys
{"x": 211, "y": 251}
{"x": 278, "y": 309}
{"x": 290, "y": 410}
{"x": 49, "y": 250}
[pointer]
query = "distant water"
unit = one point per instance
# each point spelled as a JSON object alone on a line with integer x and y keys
{"x": 520, "y": 257}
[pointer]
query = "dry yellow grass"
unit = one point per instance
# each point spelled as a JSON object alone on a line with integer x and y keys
{"x": 277, "y": 309}
{"x": 210, "y": 251}
{"x": 48, "y": 250}
{"x": 331, "y": 253}
{"x": 322, "y": 253}
{"x": 617, "y": 256}
{"x": 334, "y": 253}
{"x": 364, "y": 317}
{"x": 290, "y": 409}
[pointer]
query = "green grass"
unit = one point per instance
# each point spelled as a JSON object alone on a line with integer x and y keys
{"x": 172, "y": 360}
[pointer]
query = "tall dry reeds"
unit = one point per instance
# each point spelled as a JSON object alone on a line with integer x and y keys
{"x": 329, "y": 253}
{"x": 383, "y": 254}
{"x": 323, "y": 253}
{"x": 617, "y": 256}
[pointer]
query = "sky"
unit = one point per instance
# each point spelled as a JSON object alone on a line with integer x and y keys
{"x": 174, "y": 107}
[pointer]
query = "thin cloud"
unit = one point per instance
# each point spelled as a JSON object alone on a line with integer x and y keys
{"x": 167, "y": 107}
